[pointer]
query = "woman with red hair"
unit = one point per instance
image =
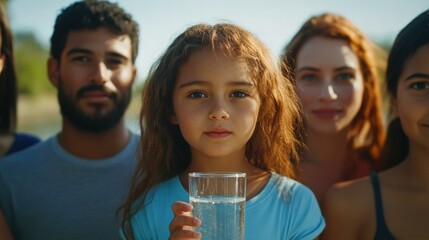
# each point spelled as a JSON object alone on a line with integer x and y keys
{"x": 335, "y": 69}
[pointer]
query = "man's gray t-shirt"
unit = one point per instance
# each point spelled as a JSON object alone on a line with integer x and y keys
{"x": 47, "y": 193}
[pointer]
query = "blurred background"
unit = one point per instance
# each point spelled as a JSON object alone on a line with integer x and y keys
{"x": 273, "y": 21}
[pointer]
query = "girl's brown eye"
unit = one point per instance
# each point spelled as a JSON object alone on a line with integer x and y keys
{"x": 239, "y": 94}
{"x": 197, "y": 95}
{"x": 420, "y": 85}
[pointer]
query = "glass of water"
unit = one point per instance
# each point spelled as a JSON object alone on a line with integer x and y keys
{"x": 218, "y": 200}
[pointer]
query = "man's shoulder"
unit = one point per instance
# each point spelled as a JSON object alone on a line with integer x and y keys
{"x": 26, "y": 138}
{"x": 23, "y": 141}
{"x": 25, "y": 156}
{"x": 135, "y": 137}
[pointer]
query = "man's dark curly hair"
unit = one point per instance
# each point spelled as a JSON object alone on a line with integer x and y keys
{"x": 93, "y": 14}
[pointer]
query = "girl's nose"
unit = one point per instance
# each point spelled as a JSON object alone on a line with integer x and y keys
{"x": 218, "y": 112}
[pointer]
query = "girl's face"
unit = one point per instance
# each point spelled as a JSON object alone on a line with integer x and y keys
{"x": 412, "y": 100}
{"x": 216, "y": 105}
{"x": 329, "y": 83}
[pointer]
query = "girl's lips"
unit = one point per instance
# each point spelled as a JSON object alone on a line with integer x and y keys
{"x": 326, "y": 113}
{"x": 219, "y": 133}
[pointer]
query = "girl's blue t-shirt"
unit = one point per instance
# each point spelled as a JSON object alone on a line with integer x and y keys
{"x": 284, "y": 209}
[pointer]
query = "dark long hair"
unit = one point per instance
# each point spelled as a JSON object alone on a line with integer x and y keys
{"x": 413, "y": 36}
{"x": 8, "y": 78}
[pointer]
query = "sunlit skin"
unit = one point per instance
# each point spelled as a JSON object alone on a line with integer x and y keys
{"x": 412, "y": 101}
{"x": 329, "y": 84}
{"x": 98, "y": 56}
{"x": 216, "y": 105}
{"x": 405, "y": 187}
{"x": 94, "y": 56}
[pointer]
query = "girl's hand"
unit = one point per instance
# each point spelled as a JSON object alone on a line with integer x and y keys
{"x": 183, "y": 224}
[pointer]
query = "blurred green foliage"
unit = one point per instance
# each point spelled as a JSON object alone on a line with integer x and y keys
{"x": 30, "y": 58}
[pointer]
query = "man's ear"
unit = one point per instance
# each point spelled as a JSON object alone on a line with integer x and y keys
{"x": 134, "y": 73}
{"x": 53, "y": 71}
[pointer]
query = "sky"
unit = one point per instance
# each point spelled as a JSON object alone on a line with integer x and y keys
{"x": 272, "y": 21}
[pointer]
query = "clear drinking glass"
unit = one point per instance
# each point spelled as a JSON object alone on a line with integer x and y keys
{"x": 218, "y": 199}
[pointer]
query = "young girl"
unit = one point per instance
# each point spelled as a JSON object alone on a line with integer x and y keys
{"x": 395, "y": 203}
{"x": 334, "y": 70}
{"x": 216, "y": 101}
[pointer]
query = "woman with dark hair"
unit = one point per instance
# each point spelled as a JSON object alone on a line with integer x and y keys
{"x": 394, "y": 204}
{"x": 10, "y": 141}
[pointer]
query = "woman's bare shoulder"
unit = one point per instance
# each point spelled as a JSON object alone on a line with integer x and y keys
{"x": 352, "y": 197}
{"x": 348, "y": 208}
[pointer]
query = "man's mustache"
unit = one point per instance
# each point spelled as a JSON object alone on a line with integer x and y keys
{"x": 95, "y": 87}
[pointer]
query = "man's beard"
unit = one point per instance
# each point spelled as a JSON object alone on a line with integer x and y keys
{"x": 98, "y": 121}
